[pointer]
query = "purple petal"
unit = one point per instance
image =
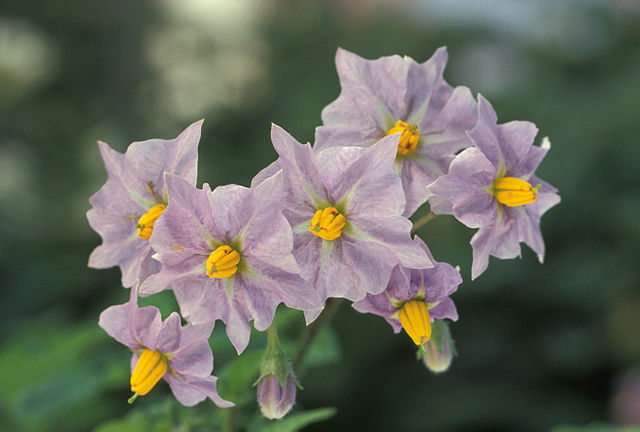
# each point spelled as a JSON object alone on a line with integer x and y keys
{"x": 425, "y": 83}
{"x": 265, "y": 173}
{"x": 130, "y": 325}
{"x": 124, "y": 190}
{"x": 475, "y": 210}
{"x": 416, "y": 175}
{"x": 445, "y": 309}
{"x": 300, "y": 166}
{"x": 370, "y": 83}
{"x": 499, "y": 238}
{"x": 337, "y": 135}
{"x": 368, "y": 262}
{"x": 169, "y": 335}
{"x": 371, "y": 175}
{"x": 485, "y": 135}
{"x": 152, "y": 158}
{"x": 516, "y": 139}
{"x": 194, "y": 359}
{"x": 459, "y": 114}
{"x": 191, "y": 390}
{"x": 394, "y": 233}
{"x": 114, "y": 320}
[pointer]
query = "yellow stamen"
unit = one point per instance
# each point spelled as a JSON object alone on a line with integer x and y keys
{"x": 327, "y": 223}
{"x": 222, "y": 262}
{"x": 414, "y": 317}
{"x": 151, "y": 366}
{"x": 513, "y": 192}
{"x": 409, "y": 138}
{"x": 146, "y": 221}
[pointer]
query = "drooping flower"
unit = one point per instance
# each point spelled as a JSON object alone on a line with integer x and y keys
{"x": 164, "y": 350}
{"x": 227, "y": 255}
{"x": 345, "y": 205}
{"x": 126, "y": 208}
{"x": 492, "y": 186}
{"x": 415, "y": 297}
{"x": 398, "y": 95}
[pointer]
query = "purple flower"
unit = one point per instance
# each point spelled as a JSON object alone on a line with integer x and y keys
{"x": 164, "y": 349}
{"x": 492, "y": 187}
{"x": 276, "y": 400}
{"x": 127, "y": 206}
{"x": 415, "y": 297}
{"x": 397, "y": 95}
{"x": 345, "y": 206}
{"x": 227, "y": 255}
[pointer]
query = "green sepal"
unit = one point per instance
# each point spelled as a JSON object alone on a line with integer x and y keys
{"x": 275, "y": 361}
{"x": 439, "y": 332}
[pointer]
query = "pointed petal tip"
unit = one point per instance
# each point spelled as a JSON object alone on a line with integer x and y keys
{"x": 442, "y": 51}
{"x": 482, "y": 99}
{"x": 341, "y": 52}
{"x": 546, "y": 143}
{"x": 311, "y": 315}
{"x": 196, "y": 124}
{"x": 104, "y": 148}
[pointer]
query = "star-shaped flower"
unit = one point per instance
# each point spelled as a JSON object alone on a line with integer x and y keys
{"x": 492, "y": 187}
{"x": 345, "y": 205}
{"x": 127, "y": 206}
{"x": 227, "y": 255}
{"x": 415, "y": 297}
{"x": 398, "y": 95}
{"x": 164, "y": 349}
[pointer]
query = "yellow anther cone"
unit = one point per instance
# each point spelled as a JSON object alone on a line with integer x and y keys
{"x": 327, "y": 223}
{"x": 222, "y": 262}
{"x": 146, "y": 221}
{"x": 150, "y": 368}
{"x": 514, "y": 192}
{"x": 408, "y": 140}
{"x": 414, "y": 317}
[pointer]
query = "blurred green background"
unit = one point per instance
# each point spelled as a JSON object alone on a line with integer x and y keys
{"x": 540, "y": 346}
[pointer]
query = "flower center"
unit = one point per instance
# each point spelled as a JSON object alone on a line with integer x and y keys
{"x": 146, "y": 221}
{"x": 409, "y": 138}
{"x": 327, "y": 223}
{"x": 222, "y": 262}
{"x": 414, "y": 317}
{"x": 151, "y": 366}
{"x": 513, "y": 192}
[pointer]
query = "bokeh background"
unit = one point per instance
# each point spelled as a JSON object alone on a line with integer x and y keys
{"x": 541, "y": 347}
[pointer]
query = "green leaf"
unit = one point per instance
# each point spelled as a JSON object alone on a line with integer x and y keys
{"x": 52, "y": 374}
{"x": 292, "y": 422}
{"x": 134, "y": 422}
{"x": 237, "y": 377}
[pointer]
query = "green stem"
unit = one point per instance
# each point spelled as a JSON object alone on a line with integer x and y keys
{"x": 272, "y": 336}
{"x": 423, "y": 220}
{"x": 227, "y": 419}
{"x": 311, "y": 331}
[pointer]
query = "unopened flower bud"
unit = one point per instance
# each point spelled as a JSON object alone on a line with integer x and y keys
{"x": 277, "y": 381}
{"x": 438, "y": 352}
{"x": 276, "y": 400}
{"x": 437, "y": 359}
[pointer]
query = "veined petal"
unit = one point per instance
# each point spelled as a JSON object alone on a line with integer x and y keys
{"x": 191, "y": 390}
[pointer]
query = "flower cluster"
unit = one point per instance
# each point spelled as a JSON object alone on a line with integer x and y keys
{"x": 324, "y": 221}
